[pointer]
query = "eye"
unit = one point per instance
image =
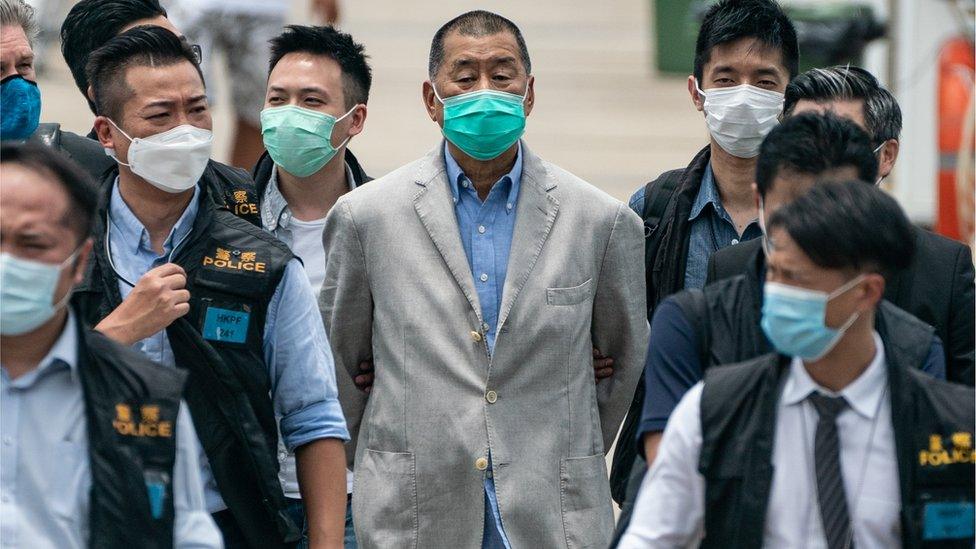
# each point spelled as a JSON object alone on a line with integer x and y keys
{"x": 724, "y": 81}
{"x": 159, "y": 116}
{"x": 314, "y": 101}
{"x": 200, "y": 109}
{"x": 501, "y": 77}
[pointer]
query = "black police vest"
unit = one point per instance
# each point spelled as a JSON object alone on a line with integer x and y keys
{"x": 131, "y": 406}
{"x": 233, "y": 269}
{"x": 933, "y": 423}
{"x": 725, "y": 317}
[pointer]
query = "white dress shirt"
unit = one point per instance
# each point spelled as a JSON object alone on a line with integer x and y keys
{"x": 45, "y": 477}
{"x": 670, "y": 507}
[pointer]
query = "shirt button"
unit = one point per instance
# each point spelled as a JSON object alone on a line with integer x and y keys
{"x": 476, "y": 336}
{"x": 480, "y": 464}
{"x": 464, "y": 184}
{"x": 484, "y": 277}
{"x": 6, "y": 499}
{"x": 735, "y": 241}
{"x": 491, "y": 397}
{"x": 485, "y": 327}
{"x": 482, "y": 229}
{"x": 509, "y": 205}
{"x": 7, "y": 441}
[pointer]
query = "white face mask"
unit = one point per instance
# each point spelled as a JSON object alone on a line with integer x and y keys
{"x": 738, "y": 118}
{"x": 172, "y": 161}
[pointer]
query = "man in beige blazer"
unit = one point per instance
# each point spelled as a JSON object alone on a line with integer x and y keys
{"x": 479, "y": 279}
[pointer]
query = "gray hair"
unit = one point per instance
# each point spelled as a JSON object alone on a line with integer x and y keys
{"x": 19, "y": 13}
{"x": 475, "y": 23}
{"x": 882, "y": 115}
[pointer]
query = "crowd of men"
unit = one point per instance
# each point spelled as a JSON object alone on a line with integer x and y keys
{"x": 195, "y": 355}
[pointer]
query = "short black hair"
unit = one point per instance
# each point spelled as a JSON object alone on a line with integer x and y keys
{"x": 882, "y": 115}
{"x": 357, "y": 77}
{"x": 847, "y": 225}
{"x": 475, "y": 23}
{"x": 92, "y": 23}
{"x": 812, "y": 144}
{"x": 46, "y": 161}
{"x": 142, "y": 46}
{"x": 732, "y": 20}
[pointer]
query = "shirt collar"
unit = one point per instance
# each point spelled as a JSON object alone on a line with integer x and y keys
{"x": 455, "y": 176}
{"x": 135, "y": 235}
{"x": 273, "y": 203}
{"x": 862, "y": 395}
{"x": 707, "y": 194}
{"x": 63, "y": 354}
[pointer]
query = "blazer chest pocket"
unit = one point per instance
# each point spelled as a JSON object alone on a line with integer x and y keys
{"x": 569, "y": 296}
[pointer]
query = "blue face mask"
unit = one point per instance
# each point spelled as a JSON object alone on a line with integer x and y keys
{"x": 21, "y": 110}
{"x": 27, "y": 293}
{"x": 794, "y": 320}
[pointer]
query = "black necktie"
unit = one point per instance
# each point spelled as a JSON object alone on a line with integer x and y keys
{"x": 830, "y": 482}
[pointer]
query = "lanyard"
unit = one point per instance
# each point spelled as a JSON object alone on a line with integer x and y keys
{"x": 108, "y": 250}
{"x": 864, "y": 462}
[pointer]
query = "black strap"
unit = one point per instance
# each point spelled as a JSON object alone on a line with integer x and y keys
{"x": 657, "y": 194}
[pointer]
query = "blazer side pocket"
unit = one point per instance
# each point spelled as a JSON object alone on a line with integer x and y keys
{"x": 385, "y": 506}
{"x": 584, "y": 496}
{"x": 569, "y": 296}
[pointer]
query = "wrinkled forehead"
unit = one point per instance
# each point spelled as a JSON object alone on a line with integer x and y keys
{"x": 482, "y": 51}
{"x": 31, "y": 200}
{"x": 13, "y": 41}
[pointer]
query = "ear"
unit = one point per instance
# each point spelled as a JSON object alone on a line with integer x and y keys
{"x": 696, "y": 97}
{"x": 888, "y": 156}
{"x": 874, "y": 288}
{"x": 530, "y": 95}
{"x": 81, "y": 263}
{"x": 755, "y": 194}
{"x": 431, "y": 103}
{"x": 91, "y": 94}
{"x": 358, "y": 123}
{"x": 103, "y": 129}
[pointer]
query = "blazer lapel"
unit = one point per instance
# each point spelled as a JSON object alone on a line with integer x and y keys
{"x": 535, "y": 215}
{"x": 435, "y": 207}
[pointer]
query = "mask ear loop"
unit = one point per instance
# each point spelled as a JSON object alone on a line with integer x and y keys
{"x": 762, "y": 227}
{"x": 67, "y": 296}
{"x": 112, "y": 153}
{"x": 348, "y": 137}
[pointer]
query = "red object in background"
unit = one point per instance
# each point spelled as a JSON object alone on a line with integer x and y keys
{"x": 957, "y": 64}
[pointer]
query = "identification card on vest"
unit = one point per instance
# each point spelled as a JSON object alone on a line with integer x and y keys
{"x": 226, "y": 325}
{"x": 947, "y": 520}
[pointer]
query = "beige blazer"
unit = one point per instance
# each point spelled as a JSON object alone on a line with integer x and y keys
{"x": 398, "y": 289}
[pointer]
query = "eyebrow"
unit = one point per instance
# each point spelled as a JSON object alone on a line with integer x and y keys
{"x": 307, "y": 89}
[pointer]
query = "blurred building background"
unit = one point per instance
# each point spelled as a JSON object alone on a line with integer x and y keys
{"x": 612, "y": 104}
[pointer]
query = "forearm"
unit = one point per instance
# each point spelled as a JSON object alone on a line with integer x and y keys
{"x": 117, "y": 329}
{"x": 651, "y": 442}
{"x": 322, "y": 480}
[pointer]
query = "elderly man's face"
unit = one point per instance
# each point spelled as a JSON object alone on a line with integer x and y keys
{"x": 16, "y": 55}
{"x": 473, "y": 63}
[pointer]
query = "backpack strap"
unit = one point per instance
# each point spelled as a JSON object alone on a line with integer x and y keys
{"x": 657, "y": 194}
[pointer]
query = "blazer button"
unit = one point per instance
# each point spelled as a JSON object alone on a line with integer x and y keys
{"x": 476, "y": 337}
{"x": 481, "y": 464}
{"x": 491, "y": 397}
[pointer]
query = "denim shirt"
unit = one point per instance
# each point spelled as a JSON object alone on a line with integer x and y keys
{"x": 711, "y": 230}
{"x": 296, "y": 351}
{"x": 486, "y": 234}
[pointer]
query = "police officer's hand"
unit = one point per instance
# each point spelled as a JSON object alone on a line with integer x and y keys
{"x": 364, "y": 381}
{"x": 159, "y": 298}
{"x": 602, "y": 365}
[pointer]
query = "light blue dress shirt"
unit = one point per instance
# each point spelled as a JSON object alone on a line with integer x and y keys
{"x": 486, "y": 234}
{"x": 45, "y": 476}
{"x": 296, "y": 350}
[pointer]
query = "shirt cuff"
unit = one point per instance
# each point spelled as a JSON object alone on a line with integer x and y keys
{"x": 322, "y": 419}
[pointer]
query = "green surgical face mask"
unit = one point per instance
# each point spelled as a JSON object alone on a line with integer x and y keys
{"x": 299, "y": 140}
{"x": 483, "y": 123}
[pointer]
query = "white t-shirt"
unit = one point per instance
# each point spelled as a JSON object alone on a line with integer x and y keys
{"x": 307, "y": 245}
